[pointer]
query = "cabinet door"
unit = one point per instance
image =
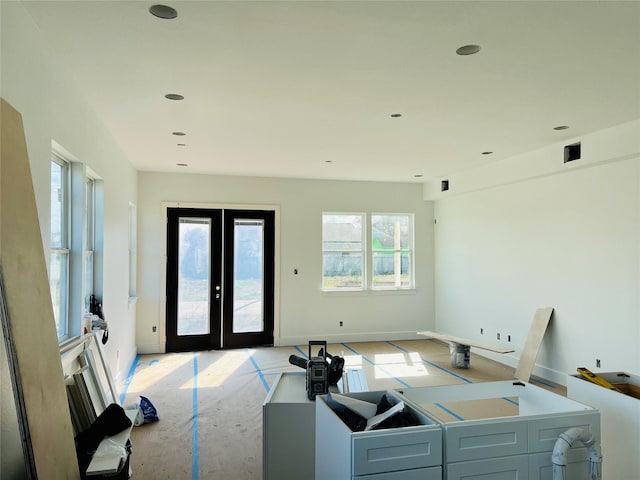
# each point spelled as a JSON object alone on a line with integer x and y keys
{"x": 504, "y": 468}
{"x": 541, "y": 468}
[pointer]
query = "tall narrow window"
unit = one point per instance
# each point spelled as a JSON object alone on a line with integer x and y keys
{"x": 392, "y": 251}
{"x": 89, "y": 242}
{"x": 132, "y": 251}
{"x": 59, "y": 245}
{"x": 343, "y": 251}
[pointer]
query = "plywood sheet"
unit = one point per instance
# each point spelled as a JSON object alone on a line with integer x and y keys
{"x": 532, "y": 344}
{"x": 464, "y": 341}
{"x": 30, "y": 313}
{"x": 474, "y": 409}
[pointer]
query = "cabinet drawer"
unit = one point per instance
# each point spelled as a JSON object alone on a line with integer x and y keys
{"x": 544, "y": 432}
{"x": 485, "y": 440}
{"x": 398, "y": 449}
{"x": 504, "y": 468}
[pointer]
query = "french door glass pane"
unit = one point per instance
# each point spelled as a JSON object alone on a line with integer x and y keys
{"x": 194, "y": 276}
{"x": 248, "y": 286}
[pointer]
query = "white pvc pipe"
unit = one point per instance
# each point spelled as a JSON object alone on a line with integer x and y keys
{"x": 565, "y": 442}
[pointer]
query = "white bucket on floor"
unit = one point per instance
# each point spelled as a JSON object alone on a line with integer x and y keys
{"x": 460, "y": 355}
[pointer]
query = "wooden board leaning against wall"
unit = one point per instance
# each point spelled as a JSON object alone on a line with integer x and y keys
{"x": 30, "y": 334}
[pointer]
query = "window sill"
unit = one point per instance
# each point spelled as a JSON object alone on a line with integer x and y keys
{"x": 394, "y": 291}
{"x": 371, "y": 291}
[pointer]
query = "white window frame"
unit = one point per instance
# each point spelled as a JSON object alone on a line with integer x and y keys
{"x": 89, "y": 239}
{"x": 368, "y": 253}
{"x": 133, "y": 238}
{"x": 398, "y": 251}
{"x": 362, "y": 251}
{"x": 62, "y": 249}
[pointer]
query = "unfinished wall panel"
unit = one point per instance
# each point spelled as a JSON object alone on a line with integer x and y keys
{"x": 29, "y": 309}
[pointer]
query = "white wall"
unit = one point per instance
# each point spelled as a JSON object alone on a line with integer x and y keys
{"x": 565, "y": 236}
{"x": 54, "y": 109}
{"x": 304, "y": 311}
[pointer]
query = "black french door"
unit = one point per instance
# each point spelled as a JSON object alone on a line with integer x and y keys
{"x": 220, "y": 278}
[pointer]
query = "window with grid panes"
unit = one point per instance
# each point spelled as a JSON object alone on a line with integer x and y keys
{"x": 343, "y": 251}
{"x": 392, "y": 251}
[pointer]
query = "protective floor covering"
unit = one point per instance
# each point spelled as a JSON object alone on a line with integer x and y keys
{"x": 210, "y": 403}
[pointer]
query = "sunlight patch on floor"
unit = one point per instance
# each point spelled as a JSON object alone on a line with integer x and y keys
{"x": 224, "y": 366}
{"x": 352, "y": 361}
{"x": 390, "y": 365}
{"x": 157, "y": 371}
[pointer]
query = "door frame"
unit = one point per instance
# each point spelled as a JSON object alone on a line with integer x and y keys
{"x": 162, "y": 321}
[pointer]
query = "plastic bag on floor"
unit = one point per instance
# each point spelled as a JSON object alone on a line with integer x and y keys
{"x": 147, "y": 413}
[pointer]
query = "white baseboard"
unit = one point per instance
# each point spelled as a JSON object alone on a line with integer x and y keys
{"x": 354, "y": 337}
{"x": 512, "y": 361}
{"x": 150, "y": 348}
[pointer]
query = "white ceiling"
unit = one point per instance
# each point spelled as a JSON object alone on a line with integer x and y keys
{"x": 282, "y": 88}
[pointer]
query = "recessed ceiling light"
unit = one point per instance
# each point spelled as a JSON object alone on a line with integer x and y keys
{"x": 163, "y": 11}
{"x": 468, "y": 49}
{"x": 179, "y": 134}
{"x": 396, "y": 115}
{"x": 561, "y": 127}
{"x": 182, "y": 164}
{"x": 182, "y": 144}
{"x": 419, "y": 175}
{"x": 487, "y": 153}
{"x": 173, "y": 96}
{"x": 328, "y": 161}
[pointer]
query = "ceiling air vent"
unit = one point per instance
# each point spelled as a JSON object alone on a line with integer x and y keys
{"x": 572, "y": 152}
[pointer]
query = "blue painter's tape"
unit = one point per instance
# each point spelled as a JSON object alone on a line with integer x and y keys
{"x": 195, "y": 456}
{"x": 260, "y": 374}
{"x": 537, "y": 380}
{"x": 433, "y": 364}
{"x": 127, "y": 382}
{"x": 511, "y": 401}
{"x": 399, "y": 380}
{"x": 450, "y": 412}
{"x": 305, "y": 355}
{"x": 155, "y": 360}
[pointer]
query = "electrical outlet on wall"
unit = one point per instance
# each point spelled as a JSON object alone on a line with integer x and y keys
{"x": 597, "y": 363}
{"x": 498, "y": 336}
